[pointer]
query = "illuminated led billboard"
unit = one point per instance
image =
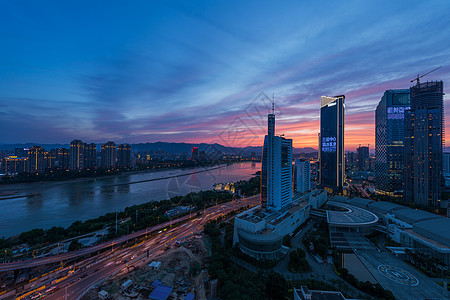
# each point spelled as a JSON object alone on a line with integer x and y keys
{"x": 329, "y": 144}
{"x": 396, "y": 113}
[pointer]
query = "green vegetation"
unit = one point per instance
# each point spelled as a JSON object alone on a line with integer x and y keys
{"x": 375, "y": 290}
{"x": 318, "y": 237}
{"x": 287, "y": 241}
{"x": 298, "y": 262}
{"x": 194, "y": 268}
{"x": 236, "y": 282}
{"x": 249, "y": 187}
{"x": 148, "y": 214}
{"x": 75, "y": 245}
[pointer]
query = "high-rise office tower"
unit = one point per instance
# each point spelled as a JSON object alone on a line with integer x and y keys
{"x": 63, "y": 158}
{"x": 276, "y": 169}
{"x": 363, "y": 158}
{"x": 76, "y": 155}
{"x": 109, "y": 155}
{"x": 123, "y": 155}
{"x": 331, "y": 143}
{"x": 36, "y": 159}
{"x": 302, "y": 178}
{"x": 195, "y": 153}
{"x": 424, "y": 138}
{"x": 90, "y": 156}
{"x": 446, "y": 163}
{"x": 389, "y": 142}
{"x": 351, "y": 161}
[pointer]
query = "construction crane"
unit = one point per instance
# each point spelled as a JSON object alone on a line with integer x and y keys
{"x": 420, "y": 76}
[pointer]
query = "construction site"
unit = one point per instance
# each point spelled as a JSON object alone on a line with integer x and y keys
{"x": 175, "y": 273}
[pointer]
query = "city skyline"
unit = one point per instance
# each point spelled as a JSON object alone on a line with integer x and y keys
{"x": 178, "y": 73}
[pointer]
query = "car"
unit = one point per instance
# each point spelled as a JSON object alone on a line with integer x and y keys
{"x": 37, "y": 296}
{"x": 51, "y": 290}
{"x": 82, "y": 276}
{"x": 134, "y": 256}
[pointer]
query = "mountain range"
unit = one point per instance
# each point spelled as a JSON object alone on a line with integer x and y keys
{"x": 166, "y": 147}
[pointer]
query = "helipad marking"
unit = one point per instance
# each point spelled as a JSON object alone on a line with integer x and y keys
{"x": 398, "y": 275}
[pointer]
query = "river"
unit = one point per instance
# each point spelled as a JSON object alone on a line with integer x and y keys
{"x": 63, "y": 202}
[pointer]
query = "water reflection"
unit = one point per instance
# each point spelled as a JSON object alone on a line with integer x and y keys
{"x": 62, "y": 203}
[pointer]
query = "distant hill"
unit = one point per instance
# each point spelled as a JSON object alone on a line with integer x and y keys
{"x": 166, "y": 147}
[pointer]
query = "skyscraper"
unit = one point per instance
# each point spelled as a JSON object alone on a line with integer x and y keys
{"x": 76, "y": 155}
{"x": 109, "y": 155}
{"x": 36, "y": 159}
{"x": 123, "y": 155}
{"x": 424, "y": 139}
{"x": 389, "y": 141}
{"x": 276, "y": 169}
{"x": 195, "y": 153}
{"x": 302, "y": 178}
{"x": 363, "y": 158}
{"x": 331, "y": 143}
{"x": 63, "y": 158}
{"x": 90, "y": 156}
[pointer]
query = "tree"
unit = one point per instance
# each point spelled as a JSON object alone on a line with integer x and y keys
{"x": 75, "y": 245}
{"x": 33, "y": 237}
{"x": 276, "y": 286}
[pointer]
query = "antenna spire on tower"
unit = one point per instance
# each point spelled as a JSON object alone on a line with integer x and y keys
{"x": 273, "y": 103}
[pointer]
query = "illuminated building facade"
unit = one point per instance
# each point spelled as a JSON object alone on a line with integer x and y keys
{"x": 123, "y": 155}
{"x": 363, "y": 158}
{"x": 195, "y": 153}
{"x": 63, "y": 158}
{"x": 76, "y": 155}
{"x": 14, "y": 164}
{"x": 36, "y": 159}
{"x": 276, "y": 169}
{"x": 424, "y": 138}
{"x": 109, "y": 155}
{"x": 90, "y": 156}
{"x": 389, "y": 142}
{"x": 331, "y": 143}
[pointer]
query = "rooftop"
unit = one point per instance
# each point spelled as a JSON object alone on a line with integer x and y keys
{"x": 161, "y": 292}
{"x": 352, "y": 216}
{"x": 318, "y": 295}
{"x": 435, "y": 229}
{"x": 384, "y": 207}
{"x": 413, "y": 216}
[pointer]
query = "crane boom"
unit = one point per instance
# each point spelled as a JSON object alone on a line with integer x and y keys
{"x": 420, "y": 76}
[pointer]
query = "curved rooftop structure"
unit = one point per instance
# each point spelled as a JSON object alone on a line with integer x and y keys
{"x": 351, "y": 216}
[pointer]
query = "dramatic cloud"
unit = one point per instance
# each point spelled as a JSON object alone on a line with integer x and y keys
{"x": 195, "y": 71}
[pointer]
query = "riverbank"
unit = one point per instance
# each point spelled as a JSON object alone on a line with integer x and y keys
{"x": 62, "y": 203}
{"x": 119, "y": 172}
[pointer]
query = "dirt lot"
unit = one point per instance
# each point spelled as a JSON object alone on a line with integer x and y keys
{"x": 183, "y": 268}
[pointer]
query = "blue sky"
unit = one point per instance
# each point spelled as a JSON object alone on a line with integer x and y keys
{"x": 194, "y": 71}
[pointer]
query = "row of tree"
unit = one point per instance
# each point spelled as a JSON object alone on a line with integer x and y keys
{"x": 375, "y": 290}
{"x": 133, "y": 218}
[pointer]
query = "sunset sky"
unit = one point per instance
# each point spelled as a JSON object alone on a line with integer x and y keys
{"x": 198, "y": 71}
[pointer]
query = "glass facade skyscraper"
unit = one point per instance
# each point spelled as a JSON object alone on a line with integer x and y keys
{"x": 424, "y": 141}
{"x": 331, "y": 143}
{"x": 389, "y": 142}
{"x": 276, "y": 169}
